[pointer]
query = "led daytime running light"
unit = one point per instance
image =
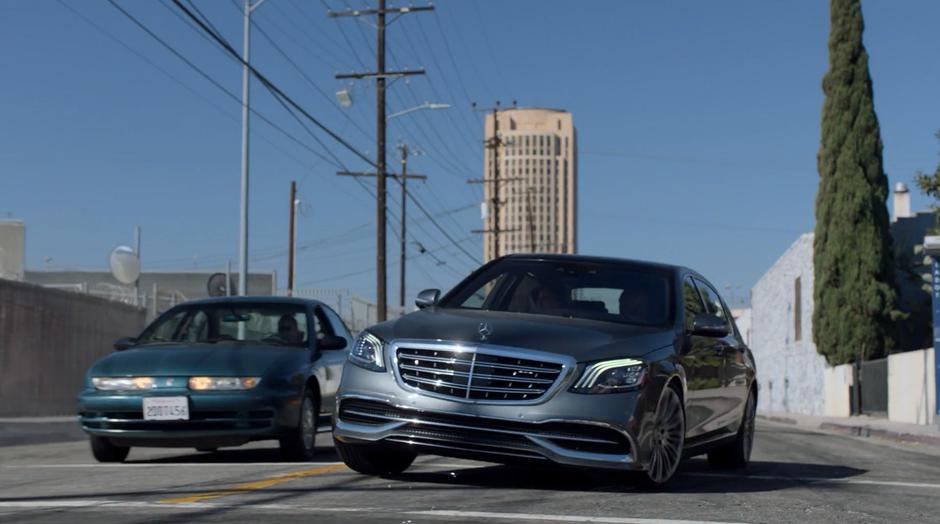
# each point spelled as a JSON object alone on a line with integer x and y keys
{"x": 595, "y": 370}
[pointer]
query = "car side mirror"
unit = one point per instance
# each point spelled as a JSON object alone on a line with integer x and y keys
{"x": 707, "y": 325}
{"x": 331, "y": 342}
{"x": 123, "y": 343}
{"x": 427, "y": 298}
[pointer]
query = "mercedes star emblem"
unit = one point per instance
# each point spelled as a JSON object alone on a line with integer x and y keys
{"x": 485, "y": 330}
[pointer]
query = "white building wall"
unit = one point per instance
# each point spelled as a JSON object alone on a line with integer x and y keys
{"x": 911, "y": 387}
{"x": 742, "y": 318}
{"x": 789, "y": 371}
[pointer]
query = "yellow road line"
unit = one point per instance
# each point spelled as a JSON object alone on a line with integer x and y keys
{"x": 256, "y": 485}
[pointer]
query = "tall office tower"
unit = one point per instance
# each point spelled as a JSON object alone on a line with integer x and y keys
{"x": 531, "y": 199}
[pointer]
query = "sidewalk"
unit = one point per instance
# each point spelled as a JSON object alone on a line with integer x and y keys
{"x": 18, "y": 431}
{"x": 862, "y": 426}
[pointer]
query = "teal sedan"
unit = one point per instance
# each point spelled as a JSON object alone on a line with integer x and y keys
{"x": 218, "y": 372}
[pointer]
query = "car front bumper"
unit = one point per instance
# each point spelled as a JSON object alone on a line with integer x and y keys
{"x": 215, "y": 418}
{"x": 596, "y": 431}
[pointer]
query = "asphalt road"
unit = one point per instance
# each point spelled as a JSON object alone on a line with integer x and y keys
{"x": 796, "y": 476}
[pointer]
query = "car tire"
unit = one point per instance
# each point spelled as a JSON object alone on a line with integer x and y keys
{"x": 374, "y": 459}
{"x": 667, "y": 440}
{"x": 299, "y": 444}
{"x": 105, "y": 451}
{"x": 737, "y": 454}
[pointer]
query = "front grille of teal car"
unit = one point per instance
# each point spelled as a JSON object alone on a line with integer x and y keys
{"x": 198, "y": 421}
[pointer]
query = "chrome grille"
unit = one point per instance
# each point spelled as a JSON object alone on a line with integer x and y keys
{"x": 476, "y": 374}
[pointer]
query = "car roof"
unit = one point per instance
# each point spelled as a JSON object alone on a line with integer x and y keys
{"x": 251, "y": 299}
{"x": 596, "y": 259}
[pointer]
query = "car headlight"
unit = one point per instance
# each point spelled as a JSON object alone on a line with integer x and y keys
{"x": 122, "y": 383}
{"x": 611, "y": 376}
{"x": 222, "y": 383}
{"x": 368, "y": 352}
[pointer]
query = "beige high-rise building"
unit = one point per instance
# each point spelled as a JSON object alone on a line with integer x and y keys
{"x": 537, "y": 183}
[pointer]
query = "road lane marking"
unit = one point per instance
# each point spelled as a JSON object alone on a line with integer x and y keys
{"x": 816, "y": 480}
{"x": 169, "y": 465}
{"x": 296, "y": 508}
{"x": 256, "y": 485}
{"x": 555, "y": 518}
{"x": 125, "y": 504}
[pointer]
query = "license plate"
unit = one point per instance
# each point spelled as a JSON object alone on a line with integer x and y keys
{"x": 166, "y": 408}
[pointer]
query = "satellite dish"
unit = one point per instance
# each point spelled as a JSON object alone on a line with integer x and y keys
{"x": 216, "y": 285}
{"x": 125, "y": 265}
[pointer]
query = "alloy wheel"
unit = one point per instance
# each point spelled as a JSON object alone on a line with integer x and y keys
{"x": 667, "y": 439}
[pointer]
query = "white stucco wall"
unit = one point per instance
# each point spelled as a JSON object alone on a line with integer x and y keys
{"x": 837, "y": 383}
{"x": 790, "y": 372}
{"x": 911, "y": 387}
{"x": 742, "y": 318}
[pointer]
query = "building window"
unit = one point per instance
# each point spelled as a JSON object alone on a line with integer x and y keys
{"x": 797, "y": 310}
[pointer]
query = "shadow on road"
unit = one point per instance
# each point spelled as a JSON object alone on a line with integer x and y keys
{"x": 694, "y": 476}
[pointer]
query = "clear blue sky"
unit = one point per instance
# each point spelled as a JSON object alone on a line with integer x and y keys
{"x": 698, "y": 128}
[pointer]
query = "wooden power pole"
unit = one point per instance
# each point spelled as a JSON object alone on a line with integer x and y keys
{"x": 380, "y": 75}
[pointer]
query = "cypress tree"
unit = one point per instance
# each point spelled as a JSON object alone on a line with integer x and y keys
{"x": 855, "y": 301}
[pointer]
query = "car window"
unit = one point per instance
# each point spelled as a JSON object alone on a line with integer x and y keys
{"x": 275, "y": 324}
{"x": 692, "y": 300}
{"x": 483, "y": 294}
{"x": 339, "y": 327}
{"x": 713, "y": 302}
{"x": 591, "y": 290}
{"x": 322, "y": 327}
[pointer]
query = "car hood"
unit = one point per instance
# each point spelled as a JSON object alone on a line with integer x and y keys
{"x": 585, "y": 340}
{"x": 196, "y": 359}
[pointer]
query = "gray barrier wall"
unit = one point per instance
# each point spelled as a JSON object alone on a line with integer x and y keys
{"x": 48, "y": 338}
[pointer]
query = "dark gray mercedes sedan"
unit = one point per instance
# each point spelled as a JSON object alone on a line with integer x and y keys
{"x": 572, "y": 360}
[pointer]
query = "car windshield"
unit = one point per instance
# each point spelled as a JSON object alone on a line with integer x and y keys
{"x": 273, "y": 324}
{"x": 590, "y": 290}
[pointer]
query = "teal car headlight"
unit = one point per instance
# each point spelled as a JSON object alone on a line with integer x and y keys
{"x": 222, "y": 383}
{"x": 123, "y": 383}
{"x": 611, "y": 376}
{"x": 368, "y": 352}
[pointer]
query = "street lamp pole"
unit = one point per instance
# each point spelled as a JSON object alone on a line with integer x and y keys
{"x": 246, "y": 113}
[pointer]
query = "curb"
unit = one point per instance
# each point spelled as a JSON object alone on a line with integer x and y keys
{"x": 782, "y": 420}
{"x": 863, "y": 431}
{"x": 881, "y": 434}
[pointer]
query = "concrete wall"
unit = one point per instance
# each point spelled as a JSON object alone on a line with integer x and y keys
{"x": 837, "y": 384}
{"x": 911, "y": 387}
{"x": 12, "y": 249}
{"x": 789, "y": 370}
{"x": 48, "y": 339}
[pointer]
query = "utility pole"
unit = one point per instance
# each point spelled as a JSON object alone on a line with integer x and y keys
{"x": 380, "y": 75}
{"x": 137, "y": 253}
{"x": 493, "y": 144}
{"x": 403, "y": 180}
{"x": 404, "y": 198}
{"x": 246, "y": 77}
{"x": 292, "y": 240}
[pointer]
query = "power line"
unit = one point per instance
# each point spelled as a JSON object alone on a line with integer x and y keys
{"x": 209, "y": 78}
{"x": 306, "y": 77}
{"x": 290, "y": 101}
{"x": 468, "y": 129}
{"x": 270, "y": 85}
